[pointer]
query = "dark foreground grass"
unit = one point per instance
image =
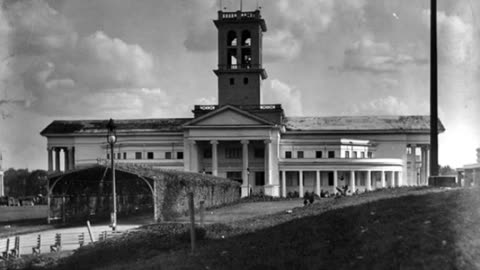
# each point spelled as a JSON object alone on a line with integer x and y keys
{"x": 437, "y": 230}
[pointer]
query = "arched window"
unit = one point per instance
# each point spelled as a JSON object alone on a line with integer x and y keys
{"x": 246, "y": 38}
{"x": 232, "y": 38}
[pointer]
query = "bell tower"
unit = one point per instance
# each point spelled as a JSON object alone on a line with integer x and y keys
{"x": 240, "y": 68}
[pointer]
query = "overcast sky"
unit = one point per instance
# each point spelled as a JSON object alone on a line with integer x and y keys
{"x": 100, "y": 59}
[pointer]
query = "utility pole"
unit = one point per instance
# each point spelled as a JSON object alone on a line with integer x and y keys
{"x": 433, "y": 90}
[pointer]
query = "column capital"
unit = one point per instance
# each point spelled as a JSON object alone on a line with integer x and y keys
{"x": 244, "y": 141}
{"x": 192, "y": 141}
{"x": 213, "y": 142}
{"x": 267, "y": 141}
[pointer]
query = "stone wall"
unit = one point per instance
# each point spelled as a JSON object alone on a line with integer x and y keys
{"x": 171, "y": 190}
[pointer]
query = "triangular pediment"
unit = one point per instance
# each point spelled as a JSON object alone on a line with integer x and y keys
{"x": 229, "y": 116}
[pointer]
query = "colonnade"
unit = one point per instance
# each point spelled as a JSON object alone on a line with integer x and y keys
{"x": 54, "y": 154}
{"x": 388, "y": 178}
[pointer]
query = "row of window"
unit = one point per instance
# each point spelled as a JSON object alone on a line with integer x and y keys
{"x": 149, "y": 155}
{"x": 235, "y": 153}
{"x": 330, "y": 154}
{"x": 355, "y": 154}
{"x": 245, "y": 81}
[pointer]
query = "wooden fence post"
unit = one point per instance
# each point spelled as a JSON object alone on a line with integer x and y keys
{"x": 202, "y": 212}
{"x": 90, "y": 231}
{"x": 191, "y": 206}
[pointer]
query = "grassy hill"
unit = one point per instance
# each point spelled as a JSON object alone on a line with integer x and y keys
{"x": 408, "y": 228}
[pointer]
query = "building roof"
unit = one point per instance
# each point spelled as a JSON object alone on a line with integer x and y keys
{"x": 61, "y": 127}
{"x": 413, "y": 123}
{"x": 315, "y": 124}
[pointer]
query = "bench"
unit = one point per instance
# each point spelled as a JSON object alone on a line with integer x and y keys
{"x": 58, "y": 243}
{"x": 6, "y": 251}
{"x": 15, "y": 252}
{"x": 36, "y": 249}
{"x": 81, "y": 239}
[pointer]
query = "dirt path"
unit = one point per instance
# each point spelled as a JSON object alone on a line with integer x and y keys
{"x": 244, "y": 211}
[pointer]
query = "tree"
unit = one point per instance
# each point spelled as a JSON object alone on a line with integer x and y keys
{"x": 21, "y": 182}
{"x": 447, "y": 170}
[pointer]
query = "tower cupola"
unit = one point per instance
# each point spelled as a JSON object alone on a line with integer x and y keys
{"x": 240, "y": 70}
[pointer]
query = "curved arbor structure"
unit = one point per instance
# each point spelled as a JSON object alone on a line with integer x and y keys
{"x": 87, "y": 193}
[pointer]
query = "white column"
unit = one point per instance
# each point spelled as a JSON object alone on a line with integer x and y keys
{"x": 428, "y": 162}
{"x": 214, "y": 158}
{"x": 245, "y": 180}
{"x": 383, "y": 179}
{"x": 194, "y": 155}
{"x": 317, "y": 183}
{"x": 57, "y": 159}
{"x": 369, "y": 180}
{"x": 392, "y": 179}
{"x": 284, "y": 184}
{"x": 352, "y": 181}
{"x": 268, "y": 162}
{"x": 65, "y": 159}
{"x": 413, "y": 168}
{"x": 71, "y": 158}
{"x": 400, "y": 178}
{"x": 50, "y": 159}
{"x": 300, "y": 183}
{"x": 335, "y": 181}
{"x": 2, "y": 187}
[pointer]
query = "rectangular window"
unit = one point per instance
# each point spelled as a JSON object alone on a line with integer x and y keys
{"x": 362, "y": 154}
{"x": 108, "y": 156}
{"x": 150, "y": 155}
{"x": 233, "y": 153}
{"x": 207, "y": 153}
{"x": 168, "y": 155}
{"x": 119, "y": 155}
{"x": 138, "y": 155}
{"x": 288, "y": 154}
{"x": 179, "y": 155}
{"x": 347, "y": 154}
{"x": 370, "y": 155}
{"x": 331, "y": 154}
{"x": 355, "y": 154}
{"x": 299, "y": 154}
{"x": 318, "y": 154}
{"x": 259, "y": 153}
{"x": 232, "y": 81}
{"x": 259, "y": 178}
{"x": 124, "y": 155}
{"x": 330, "y": 179}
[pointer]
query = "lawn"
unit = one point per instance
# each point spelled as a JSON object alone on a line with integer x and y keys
{"x": 406, "y": 228}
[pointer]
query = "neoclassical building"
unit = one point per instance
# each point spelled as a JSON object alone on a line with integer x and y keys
{"x": 256, "y": 144}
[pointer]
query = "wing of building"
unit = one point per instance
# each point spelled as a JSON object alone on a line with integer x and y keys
{"x": 256, "y": 144}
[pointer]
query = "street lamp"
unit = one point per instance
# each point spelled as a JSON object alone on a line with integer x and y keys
{"x": 112, "y": 139}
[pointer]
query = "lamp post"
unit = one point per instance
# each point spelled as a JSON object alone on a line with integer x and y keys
{"x": 112, "y": 139}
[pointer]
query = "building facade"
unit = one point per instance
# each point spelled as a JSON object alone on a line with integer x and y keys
{"x": 256, "y": 144}
{"x": 470, "y": 173}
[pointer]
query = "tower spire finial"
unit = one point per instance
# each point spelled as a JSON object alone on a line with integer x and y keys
{"x": 241, "y": 5}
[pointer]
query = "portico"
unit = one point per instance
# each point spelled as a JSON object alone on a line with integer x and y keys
{"x": 235, "y": 144}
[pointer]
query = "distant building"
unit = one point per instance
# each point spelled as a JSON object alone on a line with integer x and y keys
{"x": 471, "y": 173}
{"x": 254, "y": 143}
